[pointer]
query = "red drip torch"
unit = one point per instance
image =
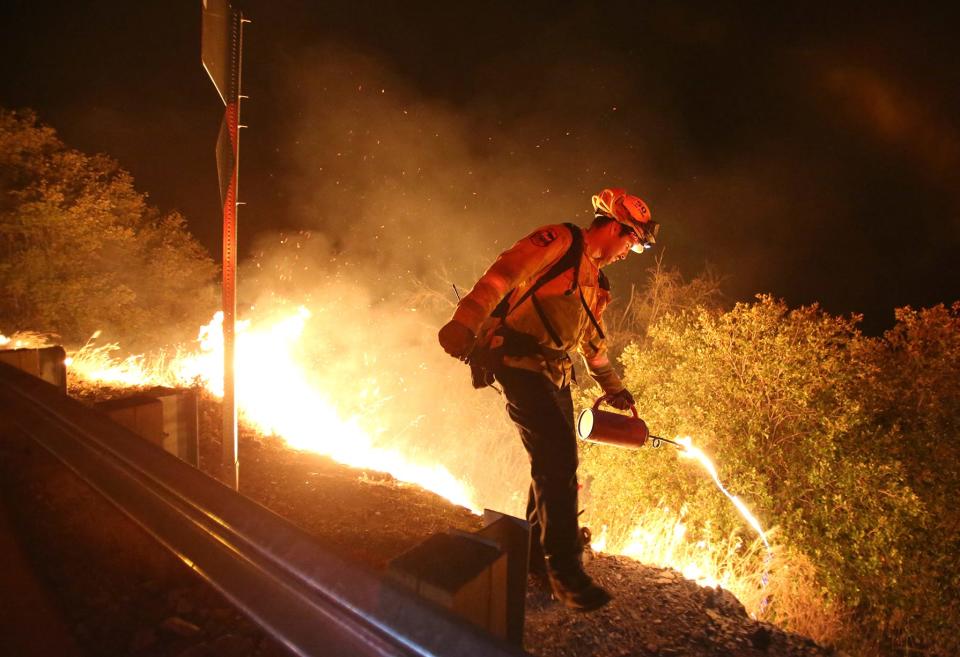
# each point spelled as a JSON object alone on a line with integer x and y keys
{"x": 604, "y": 427}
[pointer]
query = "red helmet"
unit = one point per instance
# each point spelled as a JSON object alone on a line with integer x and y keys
{"x": 630, "y": 210}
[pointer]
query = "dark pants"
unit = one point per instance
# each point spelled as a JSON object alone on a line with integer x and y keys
{"x": 544, "y": 417}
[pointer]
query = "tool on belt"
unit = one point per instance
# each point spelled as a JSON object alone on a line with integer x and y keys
{"x": 485, "y": 359}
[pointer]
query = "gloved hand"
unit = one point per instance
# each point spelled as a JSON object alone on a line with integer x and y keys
{"x": 622, "y": 401}
{"x": 456, "y": 339}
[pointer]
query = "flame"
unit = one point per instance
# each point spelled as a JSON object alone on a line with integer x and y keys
{"x": 659, "y": 537}
{"x": 276, "y": 395}
{"x": 25, "y": 340}
{"x": 689, "y": 451}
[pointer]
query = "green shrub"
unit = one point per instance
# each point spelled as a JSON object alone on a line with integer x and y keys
{"x": 914, "y": 403}
{"x": 847, "y": 444}
{"x": 81, "y": 250}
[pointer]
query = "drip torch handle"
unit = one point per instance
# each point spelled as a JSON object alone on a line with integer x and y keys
{"x": 606, "y": 398}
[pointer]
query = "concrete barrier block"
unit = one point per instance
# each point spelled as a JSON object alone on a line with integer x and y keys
{"x": 46, "y": 363}
{"x": 180, "y": 420}
{"x": 167, "y": 417}
{"x": 462, "y": 572}
{"x": 512, "y": 536}
{"x": 142, "y": 414}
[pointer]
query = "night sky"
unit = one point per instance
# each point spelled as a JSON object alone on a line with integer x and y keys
{"x": 810, "y": 153}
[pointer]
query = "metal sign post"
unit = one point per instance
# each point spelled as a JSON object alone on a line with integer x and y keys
{"x": 220, "y": 53}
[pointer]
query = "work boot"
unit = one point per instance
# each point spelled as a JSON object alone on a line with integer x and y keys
{"x": 574, "y": 588}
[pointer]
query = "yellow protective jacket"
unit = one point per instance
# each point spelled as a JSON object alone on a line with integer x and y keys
{"x": 513, "y": 272}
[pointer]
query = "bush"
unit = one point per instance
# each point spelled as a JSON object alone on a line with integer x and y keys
{"x": 81, "y": 250}
{"x": 848, "y": 444}
{"x": 914, "y": 401}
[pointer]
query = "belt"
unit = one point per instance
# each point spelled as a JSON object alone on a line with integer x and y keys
{"x": 519, "y": 344}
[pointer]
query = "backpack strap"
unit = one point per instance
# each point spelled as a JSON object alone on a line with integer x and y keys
{"x": 593, "y": 320}
{"x": 570, "y": 259}
{"x": 604, "y": 283}
{"x": 552, "y": 332}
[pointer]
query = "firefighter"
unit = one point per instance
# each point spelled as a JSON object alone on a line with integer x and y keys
{"x": 541, "y": 299}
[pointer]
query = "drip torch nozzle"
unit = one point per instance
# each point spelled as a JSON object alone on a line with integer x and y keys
{"x": 656, "y": 441}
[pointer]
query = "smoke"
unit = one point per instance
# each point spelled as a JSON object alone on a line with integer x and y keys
{"x": 394, "y": 194}
{"x": 374, "y": 353}
{"x": 397, "y": 195}
{"x": 407, "y": 186}
{"x": 898, "y": 116}
{"x": 408, "y": 183}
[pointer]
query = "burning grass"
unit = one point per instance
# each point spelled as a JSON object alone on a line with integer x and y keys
{"x": 277, "y": 395}
{"x": 26, "y": 340}
{"x": 774, "y": 584}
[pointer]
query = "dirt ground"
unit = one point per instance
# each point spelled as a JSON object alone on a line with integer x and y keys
{"x": 118, "y": 593}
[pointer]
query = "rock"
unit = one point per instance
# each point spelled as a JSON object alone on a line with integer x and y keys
{"x": 710, "y": 598}
{"x": 728, "y": 603}
{"x": 180, "y": 627}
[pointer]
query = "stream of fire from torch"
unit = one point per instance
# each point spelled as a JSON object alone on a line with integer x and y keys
{"x": 687, "y": 450}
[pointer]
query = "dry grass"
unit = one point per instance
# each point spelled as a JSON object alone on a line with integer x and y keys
{"x": 779, "y": 586}
{"x": 27, "y": 340}
{"x": 799, "y": 603}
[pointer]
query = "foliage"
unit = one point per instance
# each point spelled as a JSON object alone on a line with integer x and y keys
{"x": 81, "y": 250}
{"x": 847, "y": 443}
{"x": 915, "y": 406}
{"x": 665, "y": 292}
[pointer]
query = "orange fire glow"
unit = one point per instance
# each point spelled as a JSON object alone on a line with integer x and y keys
{"x": 277, "y": 396}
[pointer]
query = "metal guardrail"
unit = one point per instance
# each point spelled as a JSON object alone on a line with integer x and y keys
{"x": 281, "y": 577}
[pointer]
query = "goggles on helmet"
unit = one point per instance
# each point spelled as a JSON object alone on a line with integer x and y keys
{"x": 644, "y": 235}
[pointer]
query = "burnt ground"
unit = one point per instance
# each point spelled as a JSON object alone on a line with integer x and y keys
{"x": 114, "y": 591}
